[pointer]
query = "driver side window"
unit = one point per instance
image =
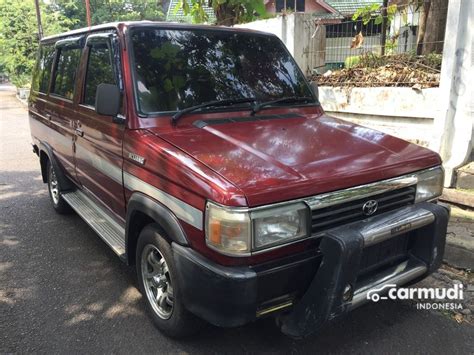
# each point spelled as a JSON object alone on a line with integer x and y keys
{"x": 99, "y": 71}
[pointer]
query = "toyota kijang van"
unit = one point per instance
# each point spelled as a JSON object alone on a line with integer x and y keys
{"x": 201, "y": 156}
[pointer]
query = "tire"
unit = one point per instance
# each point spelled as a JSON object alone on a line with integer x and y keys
{"x": 54, "y": 189}
{"x": 168, "y": 312}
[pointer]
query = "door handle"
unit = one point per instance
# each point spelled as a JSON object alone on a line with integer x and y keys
{"x": 79, "y": 132}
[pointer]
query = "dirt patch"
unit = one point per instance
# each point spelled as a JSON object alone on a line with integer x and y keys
{"x": 401, "y": 70}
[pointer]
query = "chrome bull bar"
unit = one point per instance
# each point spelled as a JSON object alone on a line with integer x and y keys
{"x": 423, "y": 226}
{"x": 383, "y": 228}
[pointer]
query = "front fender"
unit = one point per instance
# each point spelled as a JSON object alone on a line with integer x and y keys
{"x": 161, "y": 215}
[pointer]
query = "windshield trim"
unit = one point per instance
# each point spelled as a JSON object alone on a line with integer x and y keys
{"x": 170, "y": 26}
{"x": 228, "y": 109}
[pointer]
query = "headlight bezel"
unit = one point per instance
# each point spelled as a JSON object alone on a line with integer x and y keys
{"x": 253, "y": 215}
{"x": 305, "y": 222}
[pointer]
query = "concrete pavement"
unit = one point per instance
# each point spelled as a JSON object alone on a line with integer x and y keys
{"x": 62, "y": 290}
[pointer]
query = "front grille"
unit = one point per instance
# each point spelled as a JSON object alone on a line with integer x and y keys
{"x": 343, "y": 213}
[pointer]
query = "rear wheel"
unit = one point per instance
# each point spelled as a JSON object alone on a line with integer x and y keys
{"x": 54, "y": 188}
{"x": 158, "y": 283}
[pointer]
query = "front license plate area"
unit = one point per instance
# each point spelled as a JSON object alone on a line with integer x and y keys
{"x": 385, "y": 254}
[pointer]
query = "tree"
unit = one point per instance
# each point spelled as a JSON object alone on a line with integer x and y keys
{"x": 432, "y": 26}
{"x": 19, "y": 36}
{"x": 228, "y": 12}
{"x": 109, "y": 10}
{"x": 19, "y": 32}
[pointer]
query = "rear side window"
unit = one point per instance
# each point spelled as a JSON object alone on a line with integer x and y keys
{"x": 43, "y": 68}
{"x": 65, "y": 73}
{"x": 99, "y": 71}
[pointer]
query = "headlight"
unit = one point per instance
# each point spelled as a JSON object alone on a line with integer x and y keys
{"x": 430, "y": 184}
{"x": 279, "y": 225}
{"x": 239, "y": 231}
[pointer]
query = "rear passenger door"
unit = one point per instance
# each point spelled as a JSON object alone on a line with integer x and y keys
{"x": 59, "y": 109}
{"x": 98, "y": 146}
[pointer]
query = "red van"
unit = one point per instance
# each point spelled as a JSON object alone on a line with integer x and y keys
{"x": 202, "y": 156}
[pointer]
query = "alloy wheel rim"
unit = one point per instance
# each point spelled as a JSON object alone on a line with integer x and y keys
{"x": 54, "y": 187}
{"x": 157, "y": 281}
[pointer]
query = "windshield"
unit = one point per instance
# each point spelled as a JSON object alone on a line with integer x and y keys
{"x": 176, "y": 69}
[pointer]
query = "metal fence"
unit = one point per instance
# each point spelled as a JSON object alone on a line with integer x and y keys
{"x": 400, "y": 45}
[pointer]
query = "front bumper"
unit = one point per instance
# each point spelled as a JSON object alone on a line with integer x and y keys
{"x": 397, "y": 247}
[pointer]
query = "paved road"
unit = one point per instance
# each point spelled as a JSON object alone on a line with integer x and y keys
{"x": 62, "y": 290}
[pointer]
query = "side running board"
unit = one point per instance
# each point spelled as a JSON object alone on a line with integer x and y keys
{"x": 101, "y": 222}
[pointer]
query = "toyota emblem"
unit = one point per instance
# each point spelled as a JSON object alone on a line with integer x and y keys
{"x": 370, "y": 207}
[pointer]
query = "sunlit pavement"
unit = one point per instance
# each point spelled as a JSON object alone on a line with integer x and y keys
{"x": 7, "y": 87}
{"x": 62, "y": 290}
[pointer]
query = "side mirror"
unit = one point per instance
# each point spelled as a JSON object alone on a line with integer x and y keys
{"x": 107, "y": 100}
{"x": 315, "y": 90}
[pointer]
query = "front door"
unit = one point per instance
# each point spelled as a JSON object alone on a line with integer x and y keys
{"x": 98, "y": 145}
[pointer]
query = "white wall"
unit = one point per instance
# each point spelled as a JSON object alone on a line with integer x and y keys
{"x": 273, "y": 25}
{"x": 304, "y": 39}
{"x": 403, "y": 112}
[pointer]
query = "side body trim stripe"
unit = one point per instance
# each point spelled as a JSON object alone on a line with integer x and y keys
{"x": 182, "y": 210}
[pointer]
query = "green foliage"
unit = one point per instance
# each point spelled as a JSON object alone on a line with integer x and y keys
{"x": 22, "y": 81}
{"x": 391, "y": 45}
{"x": 433, "y": 60}
{"x": 351, "y": 61}
{"x": 374, "y": 11}
{"x": 228, "y": 12}
{"x": 109, "y": 10}
{"x": 19, "y": 36}
{"x": 19, "y": 31}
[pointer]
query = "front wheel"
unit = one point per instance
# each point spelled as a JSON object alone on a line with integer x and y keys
{"x": 158, "y": 283}
{"x": 59, "y": 204}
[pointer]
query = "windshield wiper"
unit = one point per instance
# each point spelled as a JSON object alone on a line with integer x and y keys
{"x": 215, "y": 103}
{"x": 289, "y": 99}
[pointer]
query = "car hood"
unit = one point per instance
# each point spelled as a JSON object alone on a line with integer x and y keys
{"x": 282, "y": 157}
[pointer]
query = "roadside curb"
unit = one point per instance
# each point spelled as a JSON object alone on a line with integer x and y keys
{"x": 24, "y": 102}
{"x": 458, "y": 197}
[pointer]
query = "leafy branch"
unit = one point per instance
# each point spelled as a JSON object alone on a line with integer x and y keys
{"x": 374, "y": 12}
{"x": 228, "y": 12}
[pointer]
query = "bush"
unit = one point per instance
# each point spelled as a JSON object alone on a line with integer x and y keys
{"x": 351, "y": 61}
{"x": 22, "y": 81}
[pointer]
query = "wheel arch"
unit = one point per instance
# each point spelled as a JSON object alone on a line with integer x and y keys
{"x": 46, "y": 154}
{"x": 44, "y": 158}
{"x": 142, "y": 211}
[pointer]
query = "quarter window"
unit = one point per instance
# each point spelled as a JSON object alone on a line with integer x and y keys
{"x": 43, "y": 68}
{"x": 99, "y": 71}
{"x": 65, "y": 73}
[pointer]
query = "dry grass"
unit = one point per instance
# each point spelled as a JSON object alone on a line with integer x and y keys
{"x": 401, "y": 70}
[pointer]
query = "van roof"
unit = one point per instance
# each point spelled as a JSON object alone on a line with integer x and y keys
{"x": 175, "y": 25}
